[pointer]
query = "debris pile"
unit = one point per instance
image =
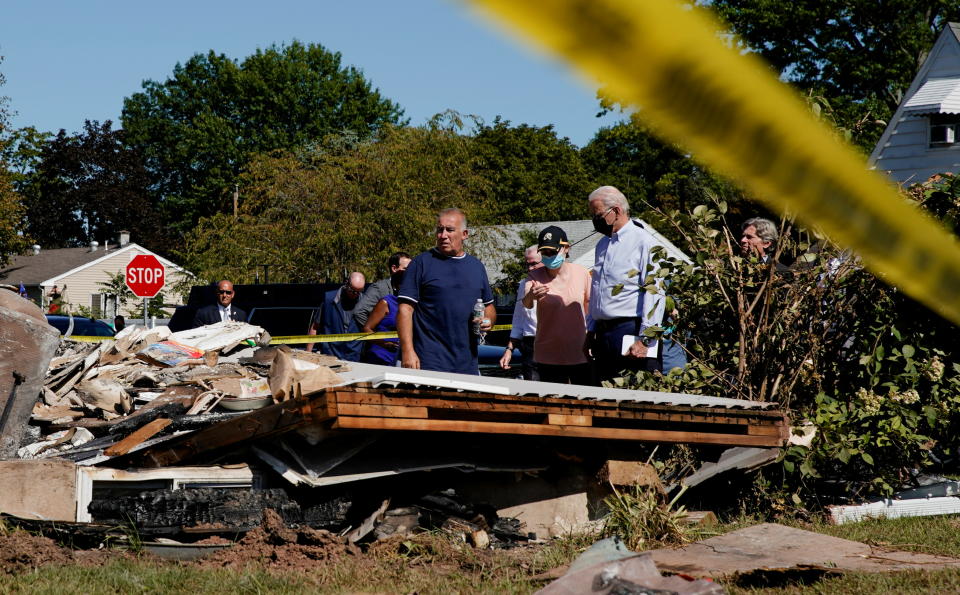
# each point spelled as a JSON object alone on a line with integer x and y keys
{"x": 191, "y": 435}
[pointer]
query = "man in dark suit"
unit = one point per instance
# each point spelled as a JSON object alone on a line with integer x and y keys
{"x": 221, "y": 311}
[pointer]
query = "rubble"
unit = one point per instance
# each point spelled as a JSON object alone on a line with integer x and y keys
{"x": 208, "y": 427}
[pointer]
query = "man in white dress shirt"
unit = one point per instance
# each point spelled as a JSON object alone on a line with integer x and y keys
{"x": 223, "y": 310}
{"x": 620, "y": 306}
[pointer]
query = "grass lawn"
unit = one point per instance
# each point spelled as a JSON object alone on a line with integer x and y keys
{"x": 429, "y": 564}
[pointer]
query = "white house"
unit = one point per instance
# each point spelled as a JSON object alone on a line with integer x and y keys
{"x": 78, "y": 272}
{"x": 923, "y": 136}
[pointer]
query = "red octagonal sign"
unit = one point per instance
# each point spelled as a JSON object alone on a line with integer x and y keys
{"x": 145, "y": 275}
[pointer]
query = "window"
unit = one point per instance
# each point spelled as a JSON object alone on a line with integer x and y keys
{"x": 944, "y": 130}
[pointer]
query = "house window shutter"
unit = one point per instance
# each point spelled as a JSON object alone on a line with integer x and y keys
{"x": 96, "y": 305}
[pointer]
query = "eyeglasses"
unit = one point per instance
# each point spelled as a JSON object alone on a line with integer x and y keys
{"x": 351, "y": 290}
{"x": 224, "y": 292}
{"x": 532, "y": 265}
{"x": 548, "y": 251}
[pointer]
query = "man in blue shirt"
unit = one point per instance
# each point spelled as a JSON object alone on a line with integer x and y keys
{"x": 335, "y": 317}
{"x": 620, "y": 306}
{"x": 437, "y": 297}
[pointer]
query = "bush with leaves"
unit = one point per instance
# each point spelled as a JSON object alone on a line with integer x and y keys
{"x": 827, "y": 340}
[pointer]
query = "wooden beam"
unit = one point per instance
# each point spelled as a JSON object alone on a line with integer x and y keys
{"x": 569, "y": 420}
{"x": 566, "y": 407}
{"x": 138, "y": 437}
{"x": 381, "y": 410}
{"x": 436, "y": 425}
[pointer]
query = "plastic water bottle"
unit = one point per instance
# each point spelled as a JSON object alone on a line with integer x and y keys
{"x": 478, "y": 310}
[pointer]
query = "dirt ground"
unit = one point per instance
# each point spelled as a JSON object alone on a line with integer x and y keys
{"x": 279, "y": 550}
{"x": 23, "y": 552}
{"x": 278, "y": 547}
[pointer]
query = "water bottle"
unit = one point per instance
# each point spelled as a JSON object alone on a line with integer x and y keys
{"x": 477, "y": 318}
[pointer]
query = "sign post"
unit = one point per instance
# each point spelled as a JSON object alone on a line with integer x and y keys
{"x": 145, "y": 276}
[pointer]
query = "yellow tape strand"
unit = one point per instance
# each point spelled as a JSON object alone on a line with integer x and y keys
{"x": 733, "y": 113}
{"x": 303, "y": 339}
{"x": 296, "y": 339}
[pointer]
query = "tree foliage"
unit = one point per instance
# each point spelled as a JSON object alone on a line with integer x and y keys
{"x": 629, "y": 157}
{"x": 202, "y": 125}
{"x": 343, "y": 205}
{"x": 874, "y": 371}
{"x": 534, "y": 175}
{"x": 861, "y": 55}
{"x": 12, "y": 240}
{"x": 89, "y": 186}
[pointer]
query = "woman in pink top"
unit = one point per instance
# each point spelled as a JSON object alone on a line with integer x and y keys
{"x": 561, "y": 292}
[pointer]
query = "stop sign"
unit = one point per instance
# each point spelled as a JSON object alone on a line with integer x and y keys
{"x": 145, "y": 275}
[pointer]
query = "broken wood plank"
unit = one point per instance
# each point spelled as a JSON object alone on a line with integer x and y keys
{"x": 666, "y": 436}
{"x": 142, "y": 435}
{"x": 262, "y": 423}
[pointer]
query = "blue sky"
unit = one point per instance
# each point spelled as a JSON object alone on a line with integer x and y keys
{"x": 69, "y": 60}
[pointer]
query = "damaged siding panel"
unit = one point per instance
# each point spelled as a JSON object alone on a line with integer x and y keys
{"x": 385, "y": 376}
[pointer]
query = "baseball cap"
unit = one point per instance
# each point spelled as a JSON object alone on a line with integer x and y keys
{"x": 552, "y": 237}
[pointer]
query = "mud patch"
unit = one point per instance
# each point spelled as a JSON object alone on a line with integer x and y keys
{"x": 22, "y": 552}
{"x": 275, "y": 546}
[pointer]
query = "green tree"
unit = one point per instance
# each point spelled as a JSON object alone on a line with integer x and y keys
{"x": 534, "y": 175}
{"x": 202, "y": 125}
{"x": 344, "y": 204}
{"x": 12, "y": 240}
{"x": 89, "y": 186}
{"x": 627, "y": 156}
{"x": 860, "y": 55}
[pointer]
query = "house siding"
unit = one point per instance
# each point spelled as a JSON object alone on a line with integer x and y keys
{"x": 903, "y": 152}
{"x": 81, "y": 285}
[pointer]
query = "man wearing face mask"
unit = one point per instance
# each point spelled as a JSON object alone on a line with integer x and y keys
{"x": 560, "y": 291}
{"x": 620, "y": 306}
{"x": 383, "y": 318}
{"x": 397, "y": 263}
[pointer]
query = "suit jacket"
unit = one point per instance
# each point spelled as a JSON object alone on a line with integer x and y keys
{"x": 211, "y": 315}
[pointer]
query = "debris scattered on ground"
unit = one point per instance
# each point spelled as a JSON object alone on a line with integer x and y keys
{"x": 771, "y": 548}
{"x": 609, "y": 567}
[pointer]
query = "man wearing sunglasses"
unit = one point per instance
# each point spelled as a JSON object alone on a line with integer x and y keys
{"x": 223, "y": 310}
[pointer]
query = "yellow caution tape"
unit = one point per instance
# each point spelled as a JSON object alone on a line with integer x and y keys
{"x": 298, "y": 339}
{"x": 303, "y": 339}
{"x": 670, "y": 61}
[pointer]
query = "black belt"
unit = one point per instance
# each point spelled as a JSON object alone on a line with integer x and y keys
{"x": 605, "y": 325}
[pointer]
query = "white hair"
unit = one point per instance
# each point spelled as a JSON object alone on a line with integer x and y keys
{"x": 610, "y": 197}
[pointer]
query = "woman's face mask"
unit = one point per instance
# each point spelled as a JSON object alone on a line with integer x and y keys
{"x": 554, "y": 261}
